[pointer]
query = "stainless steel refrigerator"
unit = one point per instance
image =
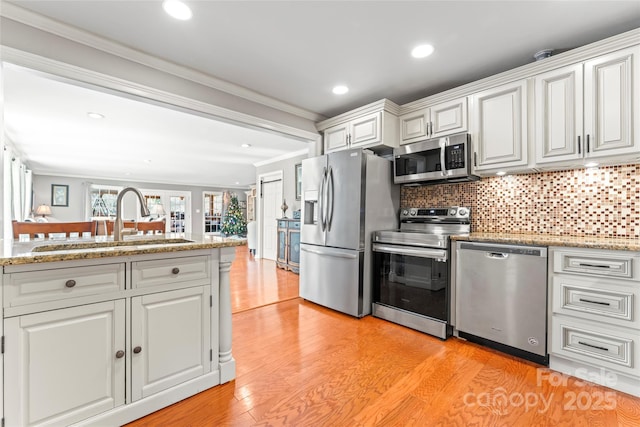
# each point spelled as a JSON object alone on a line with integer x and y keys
{"x": 346, "y": 195}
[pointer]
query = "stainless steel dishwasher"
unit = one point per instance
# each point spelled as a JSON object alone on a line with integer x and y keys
{"x": 501, "y": 297}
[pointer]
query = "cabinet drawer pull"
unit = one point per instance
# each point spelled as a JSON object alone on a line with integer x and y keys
{"x": 593, "y": 302}
{"x": 175, "y": 270}
{"x": 584, "y": 264}
{"x": 588, "y": 143}
{"x": 119, "y": 354}
{"x": 589, "y": 345}
{"x": 70, "y": 283}
{"x": 137, "y": 349}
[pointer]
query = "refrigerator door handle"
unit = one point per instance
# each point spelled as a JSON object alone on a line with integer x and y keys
{"x": 329, "y": 253}
{"x": 321, "y": 199}
{"x": 330, "y": 194}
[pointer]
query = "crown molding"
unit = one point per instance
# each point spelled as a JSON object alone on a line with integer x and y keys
{"x": 32, "y": 19}
{"x": 573, "y": 56}
{"x": 373, "y": 107}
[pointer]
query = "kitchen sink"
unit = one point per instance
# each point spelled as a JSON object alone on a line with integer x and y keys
{"x": 109, "y": 244}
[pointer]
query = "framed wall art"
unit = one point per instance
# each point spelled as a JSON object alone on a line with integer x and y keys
{"x": 59, "y": 195}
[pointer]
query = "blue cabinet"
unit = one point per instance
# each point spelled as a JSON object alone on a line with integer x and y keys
{"x": 288, "y": 244}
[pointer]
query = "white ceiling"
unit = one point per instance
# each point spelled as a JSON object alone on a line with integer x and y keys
{"x": 296, "y": 51}
{"x": 46, "y": 119}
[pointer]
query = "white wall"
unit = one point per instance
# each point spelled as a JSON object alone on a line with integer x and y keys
{"x": 287, "y": 167}
{"x": 78, "y": 196}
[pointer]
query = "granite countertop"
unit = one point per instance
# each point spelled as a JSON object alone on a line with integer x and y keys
{"x": 590, "y": 242}
{"x": 13, "y": 252}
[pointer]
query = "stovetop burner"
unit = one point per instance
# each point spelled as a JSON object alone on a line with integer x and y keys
{"x": 427, "y": 227}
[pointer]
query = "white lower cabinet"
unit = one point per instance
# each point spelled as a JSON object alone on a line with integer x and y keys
{"x": 170, "y": 339}
{"x": 66, "y": 365}
{"x": 131, "y": 336}
{"x": 595, "y": 316}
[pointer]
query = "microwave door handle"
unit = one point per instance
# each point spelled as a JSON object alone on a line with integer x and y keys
{"x": 330, "y": 197}
{"x": 442, "y": 165}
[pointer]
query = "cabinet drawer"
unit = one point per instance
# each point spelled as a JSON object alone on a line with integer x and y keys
{"x": 621, "y": 265}
{"x": 49, "y": 285}
{"x": 294, "y": 225}
{"x": 282, "y": 224}
{"x": 191, "y": 271}
{"x": 597, "y": 300}
{"x": 614, "y": 348}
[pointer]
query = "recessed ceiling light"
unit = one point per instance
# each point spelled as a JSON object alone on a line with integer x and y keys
{"x": 501, "y": 173}
{"x": 95, "y": 115}
{"x": 237, "y": 182}
{"x": 246, "y": 145}
{"x": 340, "y": 90}
{"x": 177, "y": 9}
{"x": 422, "y": 51}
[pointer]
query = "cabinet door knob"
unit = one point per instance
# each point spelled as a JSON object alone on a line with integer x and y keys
{"x": 175, "y": 270}
{"x": 70, "y": 283}
{"x": 119, "y": 354}
{"x": 137, "y": 349}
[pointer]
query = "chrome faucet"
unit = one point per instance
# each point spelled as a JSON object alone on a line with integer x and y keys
{"x": 144, "y": 211}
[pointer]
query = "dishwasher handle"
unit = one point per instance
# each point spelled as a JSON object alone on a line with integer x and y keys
{"x": 496, "y": 255}
{"x": 501, "y": 251}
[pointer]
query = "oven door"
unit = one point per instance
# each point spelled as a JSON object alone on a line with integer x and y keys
{"x": 412, "y": 279}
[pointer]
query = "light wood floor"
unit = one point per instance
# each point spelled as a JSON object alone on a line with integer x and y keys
{"x": 299, "y": 364}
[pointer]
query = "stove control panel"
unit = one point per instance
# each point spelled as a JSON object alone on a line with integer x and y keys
{"x": 451, "y": 212}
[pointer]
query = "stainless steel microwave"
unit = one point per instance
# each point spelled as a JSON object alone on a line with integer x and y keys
{"x": 446, "y": 159}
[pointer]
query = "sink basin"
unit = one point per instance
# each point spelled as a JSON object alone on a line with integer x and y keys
{"x": 110, "y": 244}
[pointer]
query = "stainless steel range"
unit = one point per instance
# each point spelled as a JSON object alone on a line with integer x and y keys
{"x": 412, "y": 270}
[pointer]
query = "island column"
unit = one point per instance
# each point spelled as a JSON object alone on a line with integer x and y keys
{"x": 226, "y": 360}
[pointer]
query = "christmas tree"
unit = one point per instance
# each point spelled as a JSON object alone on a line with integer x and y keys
{"x": 234, "y": 222}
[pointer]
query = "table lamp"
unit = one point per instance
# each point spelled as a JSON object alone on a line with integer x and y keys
{"x": 43, "y": 210}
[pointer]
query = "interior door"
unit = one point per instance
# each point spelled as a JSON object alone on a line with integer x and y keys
{"x": 271, "y": 202}
{"x": 345, "y": 216}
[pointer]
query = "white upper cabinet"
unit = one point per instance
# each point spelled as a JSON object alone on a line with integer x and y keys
{"x": 587, "y": 110}
{"x": 336, "y": 137}
{"x": 558, "y": 110}
{"x": 499, "y": 127}
{"x": 435, "y": 121}
{"x": 366, "y": 130}
{"x": 612, "y": 104}
{"x": 373, "y": 126}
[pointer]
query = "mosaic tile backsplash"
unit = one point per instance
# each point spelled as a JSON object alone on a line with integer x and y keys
{"x": 603, "y": 202}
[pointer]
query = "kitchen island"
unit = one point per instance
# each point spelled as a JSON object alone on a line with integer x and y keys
{"x": 97, "y": 332}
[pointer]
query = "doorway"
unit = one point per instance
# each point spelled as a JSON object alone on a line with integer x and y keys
{"x": 270, "y": 202}
{"x": 212, "y": 212}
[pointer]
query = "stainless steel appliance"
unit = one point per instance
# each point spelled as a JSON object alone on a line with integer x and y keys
{"x": 412, "y": 269}
{"x": 501, "y": 297}
{"x": 446, "y": 159}
{"x": 345, "y": 196}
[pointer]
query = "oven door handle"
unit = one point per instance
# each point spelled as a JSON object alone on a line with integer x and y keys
{"x": 409, "y": 251}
